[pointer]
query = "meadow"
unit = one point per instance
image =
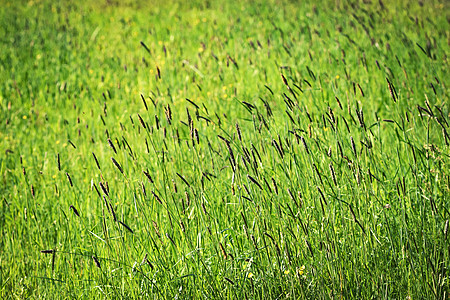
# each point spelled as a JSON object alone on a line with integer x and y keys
{"x": 224, "y": 150}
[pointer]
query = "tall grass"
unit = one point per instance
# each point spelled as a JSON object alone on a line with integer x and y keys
{"x": 210, "y": 150}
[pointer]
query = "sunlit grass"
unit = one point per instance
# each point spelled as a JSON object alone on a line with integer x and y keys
{"x": 213, "y": 150}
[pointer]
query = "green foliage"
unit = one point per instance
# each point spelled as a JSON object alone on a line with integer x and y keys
{"x": 224, "y": 150}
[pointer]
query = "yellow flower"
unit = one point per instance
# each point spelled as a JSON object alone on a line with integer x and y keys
{"x": 301, "y": 270}
{"x": 24, "y": 117}
{"x": 337, "y": 76}
{"x": 250, "y": 275}
{"x": 286, "y": 272}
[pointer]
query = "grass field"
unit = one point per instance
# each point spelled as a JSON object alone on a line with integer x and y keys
{"x": 247, "y": 150}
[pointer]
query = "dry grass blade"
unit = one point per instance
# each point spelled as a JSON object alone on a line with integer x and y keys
{"x": 224, "y": 253}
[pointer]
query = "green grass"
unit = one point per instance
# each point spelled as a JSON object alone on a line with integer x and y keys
{"x": 310, "y": 161}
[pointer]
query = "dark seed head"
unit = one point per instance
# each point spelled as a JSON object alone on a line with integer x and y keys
{"x": 97, "y": 263}
{"x": 70, "y": 179}
{"x": 104, "y": 189}
{"x": 96, "y": 161}
{"x": 48, "y": 251}
{"x": 59, "y": 163}
{"x": 75, "y": 211}
{"x": 117, "y": 165}
{"x": 126, "y": 226}
{"x": 112, "y": 145}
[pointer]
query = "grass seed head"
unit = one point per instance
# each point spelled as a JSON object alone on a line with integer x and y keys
{"x": 147, "y": 174}
{"x": 141, "y": 121}
{"x": 70, "y": 179}
{"x": 50, "y": 251}
{"x": 112, "y": 145}
{"x": 117, "y": 165}
{"x": 157, "y": 197}
{"x": 96, "y": 161}
{"x": 97, "y": 263}
{"x": 238, "y": 129}
{"x": 126, "y": 226}
{"x": 104, "y": 189}
{"x": 145, "y": 103}
{"x": 75, "y": 211}
{"x": 333, "y": 174}
{"x": 168, "y": 113}
{"x": 183, "y": 228}
{"x": 353, "y": 146}
{"x": 304, "y": 144}
{"x": 275, "y": 186}
{"x": 156, "y": 228}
